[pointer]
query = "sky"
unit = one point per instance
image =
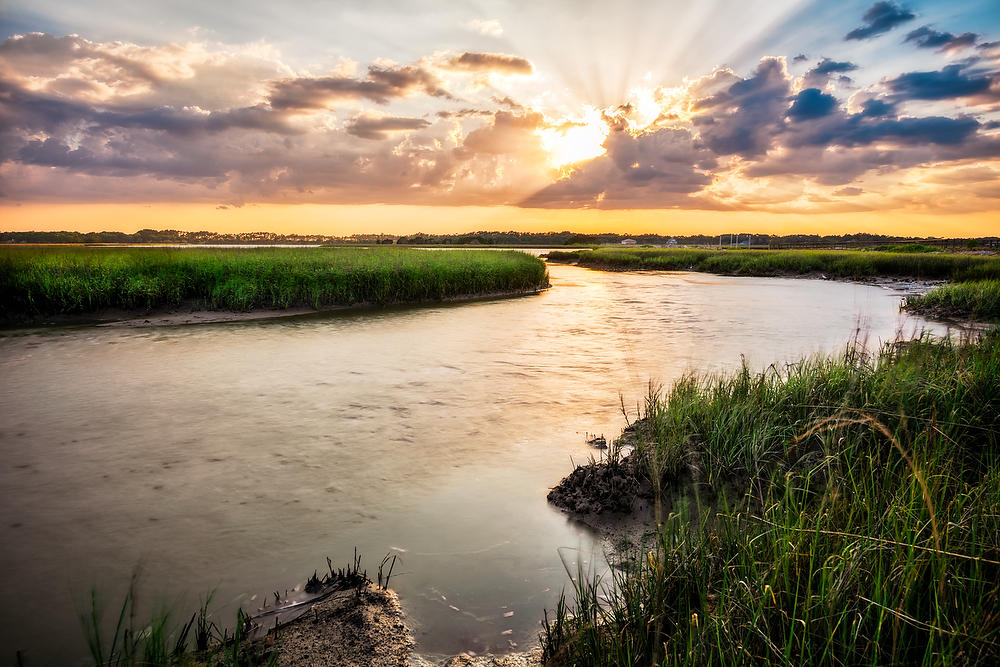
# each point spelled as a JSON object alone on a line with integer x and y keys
{"x": 385, "y": 116}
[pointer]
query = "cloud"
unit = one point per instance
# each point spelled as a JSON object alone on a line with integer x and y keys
{"x": 877, "y": 107}
{"x": 919, "y": 131}
{"x": 848, "y": 192}
{"x": 380, "y": 127}
{"x": 881, "y": 18}
{"x": 962, "y": 175}
{"x": 110, "y": 73}
{"x": 818, "y": 76}
{"x": 745, "y": 115}
{"x": 811, "y": 103}
{"x": 801, "y": 58}
{"x": 491, "y": 62}
{"x": 927, "y": 38}
{"x": 827, "y": 66}
{"x": 953, "y": 81}
{"x": 83, "y": 120}
{"x": 381, "y": 85}
{"x": 653, "y": 170}
{"x": 488, "y": 27}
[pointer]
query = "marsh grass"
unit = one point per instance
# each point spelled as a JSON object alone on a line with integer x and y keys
{"x": 850, "y": 264}
{"x": 852, "y": 516}
{"x": 979, "y": 299}
{"x": 42, "y": 281}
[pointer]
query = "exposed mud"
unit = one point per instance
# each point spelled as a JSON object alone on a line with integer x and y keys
{"x": 361, "y": 627}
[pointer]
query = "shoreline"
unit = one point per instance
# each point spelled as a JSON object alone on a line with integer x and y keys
{"x": 902, "y": 283}
{"x": 366, "y": 626}
{"x": 192, "y": 313}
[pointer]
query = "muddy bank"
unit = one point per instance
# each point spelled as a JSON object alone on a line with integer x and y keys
{"x": 361, "y": 627}
{"x": 531, "y": 658}
{"x": 611, "y": 494}
{"x": 365, "y": 627}
{"x": 195, "y": 313}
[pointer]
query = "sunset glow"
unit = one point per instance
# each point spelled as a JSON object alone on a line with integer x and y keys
{"x": 845, "y": 119}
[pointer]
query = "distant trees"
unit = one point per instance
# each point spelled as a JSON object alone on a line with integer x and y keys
{"x": 486, "y": 238}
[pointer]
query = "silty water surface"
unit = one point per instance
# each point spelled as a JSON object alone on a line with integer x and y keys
{"x": 238, "y": 456}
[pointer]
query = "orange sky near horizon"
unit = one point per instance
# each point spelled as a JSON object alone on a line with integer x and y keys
{"x": 343, "y": 220}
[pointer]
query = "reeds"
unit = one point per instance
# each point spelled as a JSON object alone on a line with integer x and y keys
{"x": 851, "y": 516}
{"x": 979, "y": 299}
{"x": 46, "y": 281}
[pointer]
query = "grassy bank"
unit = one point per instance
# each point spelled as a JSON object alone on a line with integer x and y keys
{"x": 343, "y": 602}
{"x": 850, "y": 514}
{"x": 37, "y": 281}
{"x": 850, "y": 264}
{"x": 979, "y": 299}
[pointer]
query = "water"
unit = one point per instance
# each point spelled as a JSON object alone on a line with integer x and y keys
{"x": 238, "y": 456}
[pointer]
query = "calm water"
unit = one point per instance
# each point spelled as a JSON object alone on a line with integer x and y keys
{"x": 238, "y": 456}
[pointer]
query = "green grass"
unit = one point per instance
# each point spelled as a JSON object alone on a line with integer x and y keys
{"x": 978, "y": 299}
{"x": 852, "y": 264}
{"x": 159, "y": 642}
{"x": 906, "y": 247}
{"x": 849, "y": 514}
{"x": 38, "y": 281}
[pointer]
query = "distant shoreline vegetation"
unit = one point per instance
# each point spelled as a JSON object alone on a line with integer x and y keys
{"x": 492, "y": 238}
{"x": 44, "y": 281}
{"x": 850, "y": 264}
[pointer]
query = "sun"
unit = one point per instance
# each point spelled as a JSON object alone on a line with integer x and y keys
{"x": 575, "y": 140}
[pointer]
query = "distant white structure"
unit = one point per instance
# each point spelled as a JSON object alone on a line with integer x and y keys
{"x": 672, "y": 242}
{"x": 628, "y": 242}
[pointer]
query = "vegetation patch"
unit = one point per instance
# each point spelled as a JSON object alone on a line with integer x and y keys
{"x": 847, "y": 264}
{"x": 854, "y": 518}
{"x": 979, "y": 299}
{"x": 38, "y": 281}
{"x": 340, "y": 619}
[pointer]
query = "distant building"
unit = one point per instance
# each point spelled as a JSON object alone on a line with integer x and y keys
{"x": 672, "y": 242}
{"x": 628, "y": 241}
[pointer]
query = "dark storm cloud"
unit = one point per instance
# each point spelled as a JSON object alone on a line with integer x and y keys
{"x": 911, "y": 131}
{"x": 380, "y": 86}
{"x": 881, "y": 18}
{"x": 928, "y": 38}
{"x": 877, "y": 108}
{"x": 953, "y": 81}
{"x": 491, "y": 62}
{"x": 811, "y": 103}
{"x": 743, "y": 118}
{"x": 368, "y": 127}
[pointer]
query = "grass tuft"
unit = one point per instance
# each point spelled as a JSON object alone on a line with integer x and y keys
{"x": 978, "y": 299}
